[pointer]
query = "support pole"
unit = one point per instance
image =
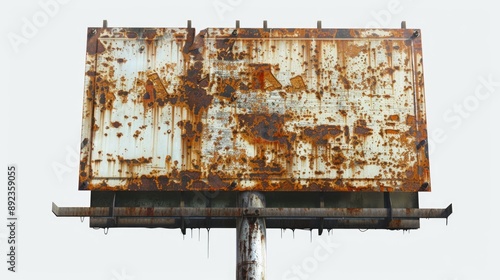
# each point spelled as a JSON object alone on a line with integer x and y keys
{"x": 251, "y": 240}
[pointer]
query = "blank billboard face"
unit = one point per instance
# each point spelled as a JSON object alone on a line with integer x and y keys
{"x": 254, "y": 109}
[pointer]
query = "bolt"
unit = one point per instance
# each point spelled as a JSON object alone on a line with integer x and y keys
{"x": 84, "y": 184}
{"x": 421, "y": 144}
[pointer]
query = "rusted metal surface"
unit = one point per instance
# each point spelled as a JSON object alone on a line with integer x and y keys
{"x": 254, "y": 109}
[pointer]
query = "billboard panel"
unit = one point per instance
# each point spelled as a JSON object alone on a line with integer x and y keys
{"x": 232, "y": 109}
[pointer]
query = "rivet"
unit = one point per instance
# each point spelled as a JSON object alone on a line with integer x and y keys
{"x": 421, "y": 144}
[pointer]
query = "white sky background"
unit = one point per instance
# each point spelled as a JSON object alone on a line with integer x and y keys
{"x": 42, "y": 90}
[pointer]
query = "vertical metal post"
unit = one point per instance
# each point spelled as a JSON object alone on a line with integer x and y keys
{"x": 251, "y": 240}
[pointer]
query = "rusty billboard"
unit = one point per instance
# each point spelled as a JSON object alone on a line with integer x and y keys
{"x": 254, "y": 129}
{"x": 258, "y": 109}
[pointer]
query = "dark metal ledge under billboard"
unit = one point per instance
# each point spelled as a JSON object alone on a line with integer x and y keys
{"x": 254, "y": 109}
{"x": 312, "y": 210}
{"x": 322, "y": 211}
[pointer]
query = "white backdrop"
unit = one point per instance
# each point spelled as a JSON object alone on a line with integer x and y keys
{"x": 43, "y": 52}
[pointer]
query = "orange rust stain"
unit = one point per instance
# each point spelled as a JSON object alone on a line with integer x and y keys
{"x": 135, "y": 161}
{"x": 391, "y": 131}
{"x": 263, "y": 78}
{"x": 354, "y": 211}
{"x": 297, "y": 83}
{"x": 353, "y": 50}
{"x": 410, "y": 120}
{"x": 159, "y": 87}
{"x": 338, "y": 159}
{"x": 394, "y": 118}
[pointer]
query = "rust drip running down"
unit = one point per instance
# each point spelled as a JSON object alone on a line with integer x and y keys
{"x": 195, "y": 89}
{"x": 191, "y": 132}
{"x": 104, "y": 93}
{"x": 347, "y": 134}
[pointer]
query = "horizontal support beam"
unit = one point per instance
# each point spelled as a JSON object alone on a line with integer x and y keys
{"x": 340, "y": 213}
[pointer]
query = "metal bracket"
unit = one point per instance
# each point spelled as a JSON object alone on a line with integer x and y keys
{"x": 183, "y": 222}
{"x": 251, "y": 212}
{"x": 321, "y": 220}
{"x": 113, "y": 218}
{"x": 388, "y": 206}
